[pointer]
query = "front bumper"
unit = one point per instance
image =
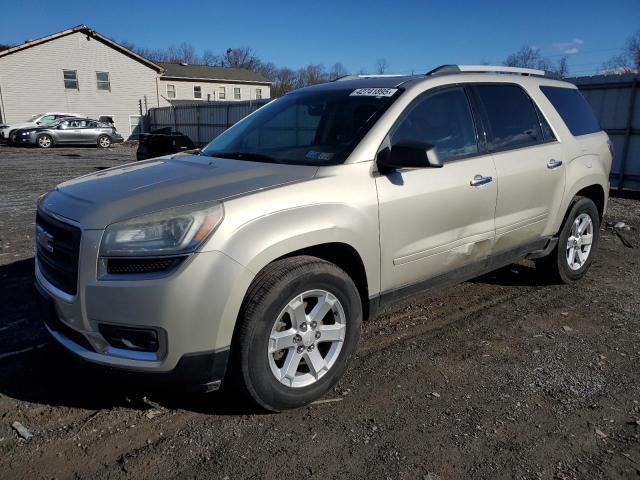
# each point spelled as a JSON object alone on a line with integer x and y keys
{"x": 195, "y": 307}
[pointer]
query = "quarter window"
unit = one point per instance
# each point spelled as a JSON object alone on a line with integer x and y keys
{"x": 236, "y": 93}
{"x": 222, "y": 93}
{"x": 510, "y": 117}
{"x": 102, "y": 79}
{"x": 442, "y": 119}
{"x": 573, "y": 108}
{"x": 70, "y": 79}
{"x": 171, "y": 91}
{"x": 197, "y": 91}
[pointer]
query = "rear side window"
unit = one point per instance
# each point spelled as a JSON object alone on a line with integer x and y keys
{"x": 509, "y": 116}
{"x": 443, "y": 119}
{"x": 574, "y": 110}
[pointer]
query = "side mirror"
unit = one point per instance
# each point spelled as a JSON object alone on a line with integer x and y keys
{"x": 409, "y": 154}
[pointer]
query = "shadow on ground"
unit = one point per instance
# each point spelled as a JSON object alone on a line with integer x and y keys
{"x": 34, "y": 368}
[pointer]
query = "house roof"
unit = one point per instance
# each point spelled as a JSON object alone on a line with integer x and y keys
{"x": 205, "y": 72}
{"x": 89, "y": 32}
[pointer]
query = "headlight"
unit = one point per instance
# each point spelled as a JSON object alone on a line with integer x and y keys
{"x": 167, "y": 232}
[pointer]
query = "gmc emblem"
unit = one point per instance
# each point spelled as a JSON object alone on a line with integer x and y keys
{"x": 44, "y": 238}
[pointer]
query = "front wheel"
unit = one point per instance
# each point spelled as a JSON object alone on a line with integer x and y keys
{"x": 299, "y": 327}
{"x": 104, "y": 141}
{"x": 577, "y": 242}
{"x": 44, "y": 141}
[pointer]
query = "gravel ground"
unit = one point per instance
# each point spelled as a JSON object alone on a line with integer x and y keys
{"x": 501, "y": 377}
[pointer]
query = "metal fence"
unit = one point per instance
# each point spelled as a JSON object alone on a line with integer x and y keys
{"x": 614, "y": 99}
{"x": 202, "y": 121}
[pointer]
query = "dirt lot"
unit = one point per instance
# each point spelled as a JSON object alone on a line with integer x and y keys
{"x": 502, "y": 377}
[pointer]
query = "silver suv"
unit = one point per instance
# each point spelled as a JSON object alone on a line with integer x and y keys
{"x": 255, "y": 262}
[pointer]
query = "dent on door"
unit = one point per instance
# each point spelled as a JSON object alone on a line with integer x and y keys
{"x": 434, "y": 220}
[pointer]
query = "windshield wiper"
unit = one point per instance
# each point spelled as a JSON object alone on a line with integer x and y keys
{"x": 248, "y": 156}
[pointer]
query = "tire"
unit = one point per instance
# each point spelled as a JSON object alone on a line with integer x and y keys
{"x": 256, "y": 371}
{"x": 11, "y": 138}
{"x": 44, "y": 141}
{"x": 556, "y": 265}
{"x": 104, "y": 141}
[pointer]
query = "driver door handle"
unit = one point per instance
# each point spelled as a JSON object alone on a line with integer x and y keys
{"x": 479, "y": 180}
{"x": 553, "y": 164}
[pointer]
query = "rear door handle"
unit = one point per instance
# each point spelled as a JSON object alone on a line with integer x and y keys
{"x": 553, "y": 164}
{"x": 479, "y": 180}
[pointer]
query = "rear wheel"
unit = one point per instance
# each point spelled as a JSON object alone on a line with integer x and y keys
{"x": 44, "y": 141}
{"x": 104, "y": 141}
{"x": 299, "y": 327}
{"x": 11, "y": 138}
{"x": 577, "y": 242}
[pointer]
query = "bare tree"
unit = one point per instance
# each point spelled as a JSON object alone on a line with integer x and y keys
{"x": 211, "y": 59}
{"x": 381, "y": 65}
{"x": 526, "y": 57}
{"x": 338, "y": 70}
{"x": 628, "y": 61}
{"x": 563, "y": 69}
{"x": 284, "y": 81}
{"x": 183, "y": 53}
{"x": 241, "y": 57}
{"x": 312, "y": 75}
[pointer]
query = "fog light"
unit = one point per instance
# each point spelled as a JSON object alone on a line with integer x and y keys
{"x": 129, "y": 338}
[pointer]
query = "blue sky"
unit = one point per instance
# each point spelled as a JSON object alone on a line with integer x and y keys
{"x": 411, "y": 35}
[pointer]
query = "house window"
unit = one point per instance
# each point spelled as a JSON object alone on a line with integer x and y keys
{"x": 102, "y": 79}
{"x": 258, "y": 93}
{"x": 236, "y": 93}
{"x": 171, "y": 91}
{"x": 197, "y": 91}
{"x": 222, "y": 93}
{"x": 70, "y": 79}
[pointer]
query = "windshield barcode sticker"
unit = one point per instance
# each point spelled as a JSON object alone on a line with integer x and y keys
{"x": 373, "y": 92}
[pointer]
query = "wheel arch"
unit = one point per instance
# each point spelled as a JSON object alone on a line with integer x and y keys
{"x": 345, "y": 257}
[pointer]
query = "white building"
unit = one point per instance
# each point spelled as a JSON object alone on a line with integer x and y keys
{"x": 181, "y": 82}
{"x": 79, "y": 70}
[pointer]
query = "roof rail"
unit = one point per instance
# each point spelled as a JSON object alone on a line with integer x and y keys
{"x": 485, "y": 69}
{"x": 364, "y": 76}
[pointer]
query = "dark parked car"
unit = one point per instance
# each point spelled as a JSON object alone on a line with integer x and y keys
{"x": 163, "y": 141}
{"x": 69, "y": 131}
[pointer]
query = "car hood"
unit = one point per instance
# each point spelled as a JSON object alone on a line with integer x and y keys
{"x": 134, "y": 189}
{"x": 15, "y": 126}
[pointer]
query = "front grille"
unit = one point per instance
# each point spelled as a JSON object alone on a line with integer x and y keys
{"x": 123, "y": 266}
{"x": 58, "y": 248}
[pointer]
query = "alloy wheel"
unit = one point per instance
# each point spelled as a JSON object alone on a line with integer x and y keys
{"x": 579, "y": 241}
{"x": 306, "y": 338}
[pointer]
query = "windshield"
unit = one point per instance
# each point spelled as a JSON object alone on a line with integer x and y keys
{"x": 306, "y": 128}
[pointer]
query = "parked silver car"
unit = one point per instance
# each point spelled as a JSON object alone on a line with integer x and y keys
{"x": 70, "y": 131}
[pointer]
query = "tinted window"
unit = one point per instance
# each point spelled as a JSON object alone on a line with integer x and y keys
{"x": 510, "y": 118}
{"x": 573, "y": 108}
{"x": 316, "y": 127}
{"x": 444, "y": 120}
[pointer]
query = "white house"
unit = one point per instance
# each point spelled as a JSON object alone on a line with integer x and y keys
{"x": 80, "y": 70}
{"x": 181, "y": 82}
